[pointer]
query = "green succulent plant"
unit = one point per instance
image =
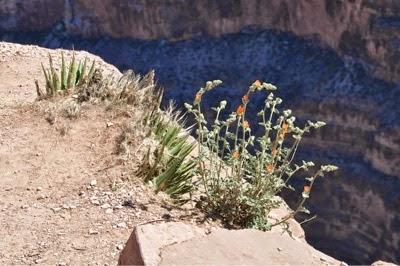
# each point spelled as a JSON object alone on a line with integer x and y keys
{"x": 171, "y": 170}
{"x": 76, "y": 73}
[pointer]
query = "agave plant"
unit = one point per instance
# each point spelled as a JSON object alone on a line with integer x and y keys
{"x": 77, "y": 73}
{"x": 171, "y": 170}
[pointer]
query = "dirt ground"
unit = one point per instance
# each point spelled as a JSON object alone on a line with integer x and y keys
{"x": 62, "y": 201}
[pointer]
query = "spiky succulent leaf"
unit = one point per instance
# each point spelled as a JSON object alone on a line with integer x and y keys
{"x": 91, "y": 71}
{"x": 72, "y": 73}
{"x": 63, "y": 73}
{"x": 53, "y": 74}
{"x": 48, "y": 79}
{"x": 56, "y": 86}
{"x": 82, "y": 71}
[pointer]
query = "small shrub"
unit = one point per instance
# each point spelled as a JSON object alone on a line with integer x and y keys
{"x": 242, "y": 173}
{"x": 70, "y": 108}
{"x": 129, "y": 89}
{"x": 77, "y": 73}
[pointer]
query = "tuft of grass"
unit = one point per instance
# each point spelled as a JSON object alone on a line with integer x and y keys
{"x": 129, "y": 89}
{"x": 70, "y": 108}
{"x": 75, "y": 74}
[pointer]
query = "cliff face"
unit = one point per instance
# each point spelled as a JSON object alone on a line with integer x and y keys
{"x": 26, "y": 16}
{"x": 355, "y": 132}
{"x": 365, "y": 28}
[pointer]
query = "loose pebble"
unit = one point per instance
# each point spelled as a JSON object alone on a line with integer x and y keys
{"x": 121, "y": 225}
{"x": 93, "y": 232}
{"x": 106, "y": 206}
{"x": 56, "y": 209}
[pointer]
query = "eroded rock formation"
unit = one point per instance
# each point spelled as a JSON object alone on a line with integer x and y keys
{"x": 366, "y": 28}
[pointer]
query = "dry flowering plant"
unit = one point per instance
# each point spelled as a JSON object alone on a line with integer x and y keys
{"x": 241, "y": 173}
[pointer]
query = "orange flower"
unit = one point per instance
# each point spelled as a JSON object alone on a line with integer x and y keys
{"x": 285, "y": 128}
{"x": 246, "y": 124}
{"x": 240, "y": 110}
{"x": 197, "y": 99}
{"x": 307, "y": 189}
{"x": 274, "y": 152}
{"x": 257, "y": 83}
{"x": 283, "y": 131}
{"x": 235, "y": 155}
{"x": 245, "y": 99}
{"x": 270, "y": 168}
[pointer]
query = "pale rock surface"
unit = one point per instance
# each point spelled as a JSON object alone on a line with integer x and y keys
{"x": 182, "y": 244}
{"x": 382, "y": 263}
{"x": 146, "y": 241}
{"x": 243, "y": 247}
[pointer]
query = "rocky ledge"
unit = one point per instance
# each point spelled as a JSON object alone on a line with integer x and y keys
{"x": 183, "y": 244}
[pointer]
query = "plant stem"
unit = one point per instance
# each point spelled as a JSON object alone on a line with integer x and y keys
{"x": 199, "y": 145}
{"x": 303, "y": 200}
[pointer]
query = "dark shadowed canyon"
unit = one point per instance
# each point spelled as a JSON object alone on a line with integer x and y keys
{"x": 333, "y": 60}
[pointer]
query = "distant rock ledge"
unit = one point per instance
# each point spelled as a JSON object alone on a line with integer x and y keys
{"x": 365, "y": 29}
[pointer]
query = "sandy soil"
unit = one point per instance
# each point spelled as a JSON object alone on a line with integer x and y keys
{"x": 61, "y": 198}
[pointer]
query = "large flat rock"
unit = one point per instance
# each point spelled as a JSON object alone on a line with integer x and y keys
{"x": 182, "y": 244}
{"x": 243, "y": 247}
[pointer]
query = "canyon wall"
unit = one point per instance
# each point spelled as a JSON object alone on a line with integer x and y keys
{"x": 367, "y": 29}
